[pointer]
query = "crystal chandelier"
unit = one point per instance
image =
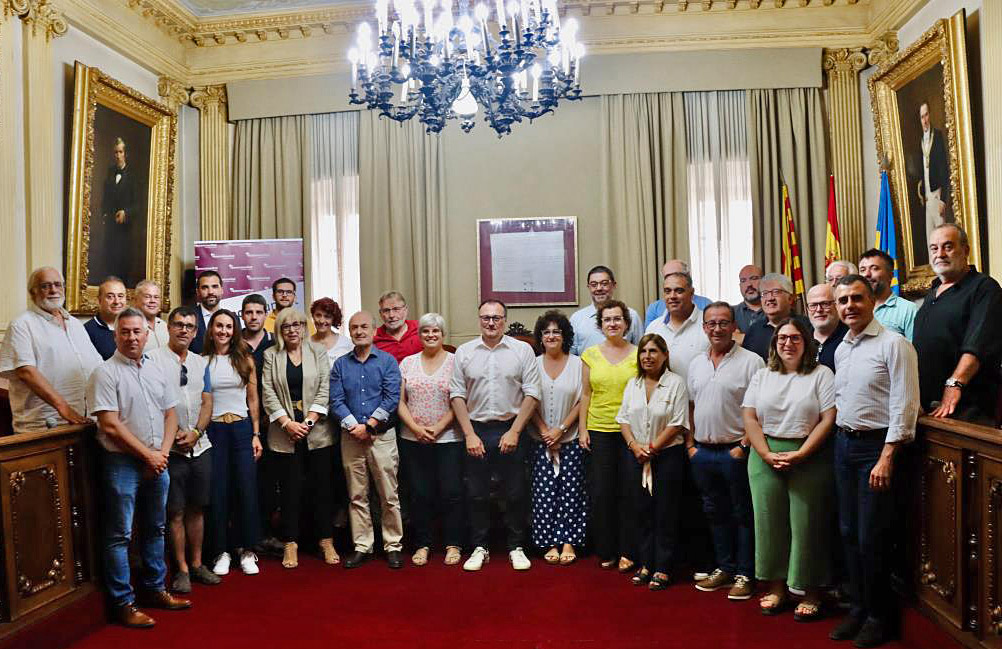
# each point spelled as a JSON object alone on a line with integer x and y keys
{"x": 435, "y": 67}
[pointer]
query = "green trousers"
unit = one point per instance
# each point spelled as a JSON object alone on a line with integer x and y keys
{"x": 793, "y": 515}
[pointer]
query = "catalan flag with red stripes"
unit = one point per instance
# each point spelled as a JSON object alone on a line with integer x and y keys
{"x": 833, "y": 244}
{"x": 791, "y": 251}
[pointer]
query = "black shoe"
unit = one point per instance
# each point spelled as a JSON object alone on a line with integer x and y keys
{"x": 847, "y": 629}
{"x": 395, "y": 558}
{"x": 356, "y": 559}
{"x": 872, "y": 634}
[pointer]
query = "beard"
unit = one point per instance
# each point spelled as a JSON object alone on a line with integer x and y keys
{"x": 52, "y": 303}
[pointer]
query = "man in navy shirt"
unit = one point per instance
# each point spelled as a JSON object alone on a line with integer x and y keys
{"x": 364, "y": 391}
{"x": 101, "y": 328}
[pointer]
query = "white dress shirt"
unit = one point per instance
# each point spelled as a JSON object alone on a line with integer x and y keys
{"x": 876, "y": 383}
{"x": 494, "y": 381}
{"x": 558, "y": 396}
{"x": 717, "y": 393}
{"x": 668, "y": 406}
{"x": 189, "y": 402}
{"x": 156, "y": 335}
{"x": 684, "y": 343}
{"x": 588, "y": 333}
{"x": 65, "y": 357}
{"x": 141, "y": 394}
{"x": 789, "y": 406}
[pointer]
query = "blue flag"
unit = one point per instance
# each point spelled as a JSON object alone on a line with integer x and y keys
{"x": 887, "y": 238}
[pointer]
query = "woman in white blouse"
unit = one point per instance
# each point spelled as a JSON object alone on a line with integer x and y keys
{"x": 327, "y": 318}
{"x": 431, "y": 447}
{"x": 653, "y": 418}
{"x": 789, "y": 410}
{"x": 559, "y": 503}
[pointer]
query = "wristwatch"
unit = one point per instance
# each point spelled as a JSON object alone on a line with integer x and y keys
{"x": 310, "y": 423}
{"x": 953, "y": 383}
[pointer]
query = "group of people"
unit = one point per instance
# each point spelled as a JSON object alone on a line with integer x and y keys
{"x": 784, "y": 426}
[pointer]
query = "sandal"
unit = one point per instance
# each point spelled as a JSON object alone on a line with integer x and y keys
{"x": 659, "y": 581}
{"x": 807, "y": 611}
{"x": 330, "y": 554}
{"x": 626, "y": 565}
{"x": 452, "y": 555}
{"x": 608, "y": 565}
{"x": 772, "y": 604}
{"x": 420, "y": 557}
{"x": 641, "y": 577}
{"x": 552, "y": 556}
{"x": 567, "y": 557}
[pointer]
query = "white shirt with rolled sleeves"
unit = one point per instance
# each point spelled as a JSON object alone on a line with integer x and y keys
{"x": 189, "y": 402}
{"x": 717, "y": 393}
{"x": 65, "y": 357}
{"x": 668, "y": 406}
{"x": 876, "y": 383}
{"x": 141, "y": 394}
{"x": 789, "y": 405}
{"x": 684, "y": 343}
{"x": 494, "y": 381}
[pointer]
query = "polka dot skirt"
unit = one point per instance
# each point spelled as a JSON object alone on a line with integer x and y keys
{"x": 559, "y": 502}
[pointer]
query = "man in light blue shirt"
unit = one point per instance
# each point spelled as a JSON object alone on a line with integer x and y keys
{"x": 656, "y": 309}
{"x": 602, "y": 286}
{"x": 894, "y": 312}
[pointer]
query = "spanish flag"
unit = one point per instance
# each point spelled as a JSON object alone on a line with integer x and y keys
{"x": 791, "y": 251}
{"x": 833, "y": 247}
{"x": 887, "y": 237}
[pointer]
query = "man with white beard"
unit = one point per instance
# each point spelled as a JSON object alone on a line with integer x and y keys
{"x": 47, "y": 356}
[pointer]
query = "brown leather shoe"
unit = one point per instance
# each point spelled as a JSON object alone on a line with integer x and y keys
{"x": 132, "y": 617}
{"x": 163, "y": 599}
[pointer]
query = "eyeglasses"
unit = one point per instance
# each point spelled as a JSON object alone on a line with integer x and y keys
{"x": 553, "y": 332}
{"x": 285, "y": 291}
{"x": 773, "y": 292}
{"x": 612, "y": 319}
{"x": 184, "y": 376}
{"x": 605, "y": 283}
{"x": 393, "y": 309}
{"x": 45, "y": 286}
{"x": 818, "y": 306}
{"x": 187, "y": 326}
{"x": 292, "y": 326}
{"x": 794, "y": 339}
{"x": 717, "y": 324}
{"x": 491, "y": 318}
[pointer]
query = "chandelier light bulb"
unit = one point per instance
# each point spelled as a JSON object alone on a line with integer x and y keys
{"x": 571, "y": 29}
{"x": 353, "y": 56}
{"x": 481, "y": 12}
{"x": 465, "y": 104}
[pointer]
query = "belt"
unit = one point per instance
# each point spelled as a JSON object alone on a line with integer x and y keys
{"x": 726, "y": 446}
{"x": 860, "y": 434}
{"x": 228, "y": 418}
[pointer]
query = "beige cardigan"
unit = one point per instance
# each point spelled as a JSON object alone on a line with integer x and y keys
{"x": 278, "y": 402}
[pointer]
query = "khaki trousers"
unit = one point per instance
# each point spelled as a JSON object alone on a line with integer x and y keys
{"x": 380, "y": 458}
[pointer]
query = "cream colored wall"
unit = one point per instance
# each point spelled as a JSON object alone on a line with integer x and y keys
{"x": 550, "y": 168}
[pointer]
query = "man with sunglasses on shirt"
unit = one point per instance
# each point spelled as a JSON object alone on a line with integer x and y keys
{"x": 190, "y": 461}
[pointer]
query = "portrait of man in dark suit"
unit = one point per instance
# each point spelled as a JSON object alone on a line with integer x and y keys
{"x": 934, "y": 184}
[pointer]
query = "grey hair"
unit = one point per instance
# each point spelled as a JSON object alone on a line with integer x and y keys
{"x": 289, "y": 313}
{"x": 686, "y": 276}
{"x": 777, "y": 278}
{"x": 129, "y": 312}
{"x": 964, "y": 241}
{"x": 392, "y": 294}
{"x": 145, "y": 284}
{"x": 432, "y": 320}
{"x": 33, "y": 277}
{"x": 848, "y": 265}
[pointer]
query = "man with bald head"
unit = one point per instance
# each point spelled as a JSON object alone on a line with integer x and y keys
{"x": 828, "y": 329}
{"x": 750, "y": 307}
{"x": 656, "y": 309}
{"x": 364, "y": 392}
{"x": 111, "y": 299}
{"x": 147, "y": 299}
{"x": 47, "y": 357}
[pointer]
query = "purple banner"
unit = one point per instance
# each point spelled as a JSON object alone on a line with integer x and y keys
{"x": 251, "y": 265}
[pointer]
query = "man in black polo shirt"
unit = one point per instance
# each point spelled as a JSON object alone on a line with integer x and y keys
{"x": 959, "y": 348}
{"x": 777, "y": 305}
{"x": 828, "y": 329}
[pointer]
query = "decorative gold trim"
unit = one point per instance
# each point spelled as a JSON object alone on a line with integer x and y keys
{"x": 944, "y": 43}
{"x": 25, "y": 586}
{"x": 214, "y": 161}
{"x": 91, "y": 86}
{"x": 927, "y": 574}
{"x": 991, "y": 544}
{"x": 39, "y": 15}
{"x": 883, "y": 49}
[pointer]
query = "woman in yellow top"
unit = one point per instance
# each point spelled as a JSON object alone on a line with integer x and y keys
{"x": 608, "y": 367}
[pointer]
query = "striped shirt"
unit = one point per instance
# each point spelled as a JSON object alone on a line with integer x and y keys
{"x": 876, "y": 383}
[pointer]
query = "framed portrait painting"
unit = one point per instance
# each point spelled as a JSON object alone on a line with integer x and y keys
{"x": 121, "y": 189}
{"x": 922, "y": 114}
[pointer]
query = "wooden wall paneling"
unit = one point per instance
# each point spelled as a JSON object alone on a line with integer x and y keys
{"x": 941, "y": 536}
{"x": 990, "y": 495}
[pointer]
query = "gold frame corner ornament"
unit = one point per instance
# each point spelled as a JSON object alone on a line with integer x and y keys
{"x": 93, "y": 87}
{"x": 943, "y": 43}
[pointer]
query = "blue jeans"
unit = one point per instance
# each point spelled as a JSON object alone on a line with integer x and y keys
{"x": 723, "y": 486}
{"x": 866, "y": 519}
{"x": 233, "y": 474}
{"x": 129, "y": 490}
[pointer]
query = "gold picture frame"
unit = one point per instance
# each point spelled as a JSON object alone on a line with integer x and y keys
{"x": 121, "y": 189}
{"x": 922, "y": 118}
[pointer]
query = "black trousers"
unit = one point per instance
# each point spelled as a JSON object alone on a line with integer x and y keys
{"x": 310, "y": 474}
{"x": 511, "y": 470}
{"x": 658, "y": 514}
{"x": 435, "y": 476}
{"x": 613, "y": 501}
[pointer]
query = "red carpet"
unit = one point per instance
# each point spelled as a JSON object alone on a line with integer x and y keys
{"x": 548, "y": 607}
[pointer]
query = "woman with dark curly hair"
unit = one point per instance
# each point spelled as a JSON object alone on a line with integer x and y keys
{"x": 559, "y": 503}
{"x": 327, "y": 316}
{"x": 789, "y": 411}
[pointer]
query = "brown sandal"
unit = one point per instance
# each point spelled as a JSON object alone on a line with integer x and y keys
{"x": 807, "y": 611}
{"x": 552, "y": 556}
{"x": 772, "y": 604}
{"x": 567, "y": 557}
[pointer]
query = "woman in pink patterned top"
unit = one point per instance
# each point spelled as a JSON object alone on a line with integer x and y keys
{"x": 431, "y": 447}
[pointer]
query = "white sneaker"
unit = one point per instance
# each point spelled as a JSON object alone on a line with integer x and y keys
{"x": 518, "y": 559}
{"x": 248, "y": 563}
{"x": 477, "y": 560}
{"x": 222, "y": 565}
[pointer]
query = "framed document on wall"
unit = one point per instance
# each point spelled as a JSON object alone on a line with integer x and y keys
{"x": 528, "y": 262}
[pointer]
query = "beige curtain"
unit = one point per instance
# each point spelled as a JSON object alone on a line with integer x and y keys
{"x": 402, "y": 225}
{"x": 644, "y": 215}
{"x": 786, "y": 140}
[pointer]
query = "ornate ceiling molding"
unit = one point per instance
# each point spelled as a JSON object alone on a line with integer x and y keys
{"x": 39, "y": 15}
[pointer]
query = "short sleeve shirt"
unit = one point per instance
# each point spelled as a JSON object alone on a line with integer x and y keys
{"x": 428, "y": 395}
{"x": 789, "y": 405}
{"x": 668, "y": 406}
{"x": 717, "y": 392}
{"x": 684, "y": 342}
{"x": 559, "y": 395}
{"x": 197, "y": 381}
